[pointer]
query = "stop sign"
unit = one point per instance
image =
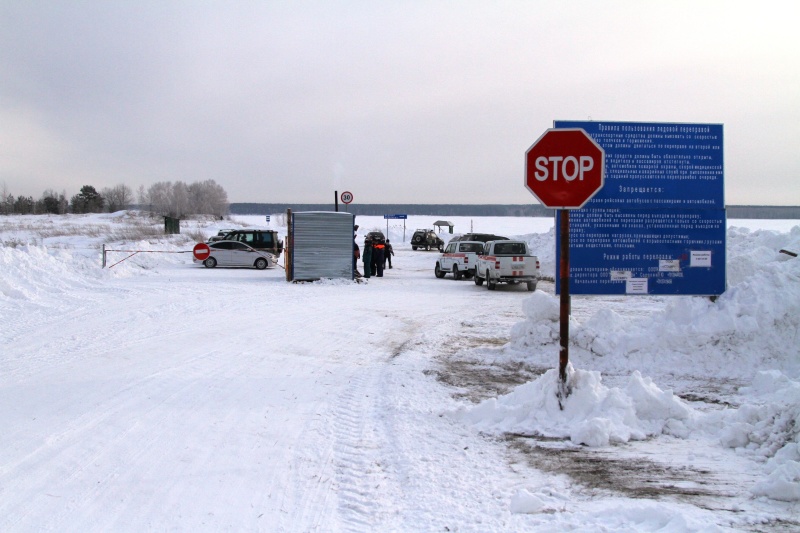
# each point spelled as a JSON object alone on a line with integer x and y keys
{"x": 564, "y": 168}
{"x": 201, "y": 251}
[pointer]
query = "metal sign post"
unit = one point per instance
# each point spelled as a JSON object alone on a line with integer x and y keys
{"x": 563, "y": 354}
{"x": 401, "y": 216}
{"x": 564, "y": 169}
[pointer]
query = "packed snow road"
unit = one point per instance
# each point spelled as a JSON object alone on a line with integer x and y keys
{"x": 223, "y": 399}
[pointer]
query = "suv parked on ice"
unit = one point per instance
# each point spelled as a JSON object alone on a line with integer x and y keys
{"x": 427, "y": 239}
{"x": 376, "y": 236}
{"x": 460, "y": 258}
{"x": 220, "y": 236}
{"x": 265, "y": 240}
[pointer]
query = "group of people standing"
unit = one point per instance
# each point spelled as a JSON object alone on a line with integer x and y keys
{"x": 377, "y": 253}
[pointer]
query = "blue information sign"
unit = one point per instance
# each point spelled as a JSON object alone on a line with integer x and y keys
{"x": 658, "y": 224}
{"x": 396, "y": 216}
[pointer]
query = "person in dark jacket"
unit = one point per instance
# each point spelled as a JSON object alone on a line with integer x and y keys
{"x": 387, "y": 254}
{"x": 378, "y": 248}
{"x": 356, "y": 252}
{"x": 367, "y": 257}
{"x": 356, "y": 257}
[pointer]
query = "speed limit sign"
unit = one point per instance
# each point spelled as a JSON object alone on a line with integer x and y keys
{"x": 347, "y": 197}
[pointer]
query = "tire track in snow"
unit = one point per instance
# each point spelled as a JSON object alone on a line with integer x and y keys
{"x": 355, "y": 459}
{"x": 364, "y": 475}
{"x": 342, "y": 476}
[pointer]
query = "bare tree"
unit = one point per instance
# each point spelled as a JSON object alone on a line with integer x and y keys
{"x": 5, "y": 204}
{"x": 208, "y": 198}
{"x": 178, "y": 199}
{"x": 158, "y": 196}
{"x": 118, "y": 197}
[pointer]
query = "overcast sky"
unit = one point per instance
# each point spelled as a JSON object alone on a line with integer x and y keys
{"x": 397, "y": 102}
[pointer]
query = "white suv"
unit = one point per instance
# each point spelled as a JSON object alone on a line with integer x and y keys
{"x": 459, "y": 257}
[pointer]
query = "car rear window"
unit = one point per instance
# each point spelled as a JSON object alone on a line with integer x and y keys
{"x": 509, "y": 248}
{"x": 471, "y": 247}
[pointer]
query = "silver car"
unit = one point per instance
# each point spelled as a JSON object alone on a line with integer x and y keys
{"x": 236, "y": 254}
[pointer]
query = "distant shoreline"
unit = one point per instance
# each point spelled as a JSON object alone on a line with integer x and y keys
{"x": 484, "y": 210}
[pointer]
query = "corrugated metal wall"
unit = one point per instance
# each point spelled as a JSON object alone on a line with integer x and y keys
{"x": 322, "y": 245}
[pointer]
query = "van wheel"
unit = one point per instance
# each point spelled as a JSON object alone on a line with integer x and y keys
{"x": 478, "y": 280}
{"x": 438, "y": 271}
{"x": 456, "y": 272}
{"x": 490, "y": 284}
{"x": 531, "y": 286}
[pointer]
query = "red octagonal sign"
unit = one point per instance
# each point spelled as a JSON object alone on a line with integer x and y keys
{"x": 564, "y": 168}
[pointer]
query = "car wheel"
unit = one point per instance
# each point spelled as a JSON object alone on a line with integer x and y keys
{"x": 427, "y": 247}
{"x": 414, "y": 248}
{"x": 478, "y": 280}
{"x": 490, "y": 284}
{"x": 438, "y": 271}
{"x": 261, "y": 263}
{"x": 210, "y": 262}
{"x": 531, "y": 286}
{"x": 456, "y": 272}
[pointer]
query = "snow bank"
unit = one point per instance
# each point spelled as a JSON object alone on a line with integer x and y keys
{"x": 595, "y": 415}
{"x": 34, "y": 272}
{"x": 768, "y": 428}
{"x": 592, "y": 414}
{"x": 754, "y": 325}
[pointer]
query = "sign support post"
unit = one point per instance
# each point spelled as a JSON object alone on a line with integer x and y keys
{"x": 563, "y": 356}
{"x": 346, "y": 197}
{"x": 564, "y": 169}
{"x": 399, "y": 216}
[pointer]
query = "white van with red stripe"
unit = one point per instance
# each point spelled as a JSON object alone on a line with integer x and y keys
{"x": 507, "y": 262}
{"x": 460, "y": 258}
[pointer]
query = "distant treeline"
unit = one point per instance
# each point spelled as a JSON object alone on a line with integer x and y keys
{"x": 400, "y": 209}
{"x": 172, "y": 199}
{"x": 481, "y": 210}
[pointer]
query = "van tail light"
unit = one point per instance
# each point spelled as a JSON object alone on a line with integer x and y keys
{"x": 497, "y": 265}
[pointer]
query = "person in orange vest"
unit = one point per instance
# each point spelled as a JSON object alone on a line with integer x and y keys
{"x": 378, "y": 248}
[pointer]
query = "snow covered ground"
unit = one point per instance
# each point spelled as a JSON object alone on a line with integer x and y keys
{"x": 159, "y": 395}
